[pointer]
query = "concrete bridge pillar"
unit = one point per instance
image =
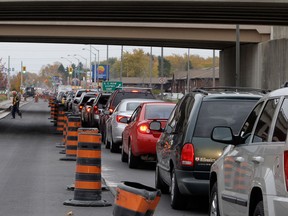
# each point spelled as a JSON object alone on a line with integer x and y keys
{"x": 262, "y": 65}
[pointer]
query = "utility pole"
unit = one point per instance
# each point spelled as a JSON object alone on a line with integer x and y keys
{"x": 8, "y": 78}
{"x": 237, "y": 75}
{"x": 21, "y": 82}
{"x": 121, "y": 70}
{"x": 107, "y": 65}
{"x": 162, "y": 72}
{"x": 213, "y": 68}
{"x": 151, "y": 67}
{"x": 188, "y": 70}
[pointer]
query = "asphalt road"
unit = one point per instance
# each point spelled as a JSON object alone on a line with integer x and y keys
{"x": 33, "y": 180}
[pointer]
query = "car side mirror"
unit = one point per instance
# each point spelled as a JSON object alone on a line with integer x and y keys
{"x": 155, "y": 125}
{"x": 125, "y": 120}
{"x": 222, "y": 134}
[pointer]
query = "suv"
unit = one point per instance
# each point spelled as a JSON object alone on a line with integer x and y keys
{"x": 114, "y": 100}
{"x": 83, "y": 99}
{"x": 97, "y": 107}
{"x": 185, "y": 151}
{"x": 77, "y": 97}
{"x": 251, "y": 176}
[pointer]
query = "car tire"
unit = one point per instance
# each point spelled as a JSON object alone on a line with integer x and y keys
{"x": 114, "y": 147}
{"x": 213, "y": 202}
{"x": 106, "y": 143}
{"x": 178, "y": 201}
{"x": 132, "y": 160}
{"x": 159, "y": 183}
{"x": 124, "y": 156}
{"x": 259, "y": 209}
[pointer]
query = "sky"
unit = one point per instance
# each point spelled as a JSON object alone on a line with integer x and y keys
{"x": 36, "y": 55}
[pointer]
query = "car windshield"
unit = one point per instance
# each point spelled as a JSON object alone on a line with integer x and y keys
{"x": 158, "y": 111}
{"x": 222, "y": 113}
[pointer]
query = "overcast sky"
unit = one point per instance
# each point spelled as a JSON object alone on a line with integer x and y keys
{"x": 34, "y": 56}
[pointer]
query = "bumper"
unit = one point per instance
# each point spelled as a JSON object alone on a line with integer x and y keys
{"x": 117, "y": 131}
{"x": 188, "y": 185}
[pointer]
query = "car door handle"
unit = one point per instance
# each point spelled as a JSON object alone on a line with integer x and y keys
{"x": 239, "y": 159}
{"x": 257, "y": 159}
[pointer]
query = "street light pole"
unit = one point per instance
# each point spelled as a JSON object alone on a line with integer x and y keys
{"x": 75, "y": 74}
{"x": 68, "y": 71}
{"x": 97, "y": 74}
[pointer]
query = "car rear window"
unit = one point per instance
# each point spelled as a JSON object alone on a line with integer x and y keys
{"x": 87, "y": 97}
{"x": 102, "y": 101}
{"x": 222, "y": 113}
{"x": 124, "y": 95}
{"x": 131, "y": 106}
{"x": 158, "y": 111}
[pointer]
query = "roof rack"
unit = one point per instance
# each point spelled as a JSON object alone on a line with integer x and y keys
{"x": 206, "y": 90}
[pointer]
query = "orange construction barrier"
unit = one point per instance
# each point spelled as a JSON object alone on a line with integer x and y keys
{"x": 74, "y": 122}
{"x": 88, "y": 186}
{"x": 135, "y": 199}
{"x": 65, "y": 129}
{"x": 60, "y": 118}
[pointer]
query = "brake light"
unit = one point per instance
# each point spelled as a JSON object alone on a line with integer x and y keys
{"x": 88, "y": 109}
{"x": 286, "y": 168}
{"x": 144, "y": 128}
{"x": 96, "y": 110}
{"x": 110, "y": 110}
{"x": 119, "y": 117}
{"x": 187, "y": 155}
{"x": 80, "y": 107}
{"x": 134, "y": 91}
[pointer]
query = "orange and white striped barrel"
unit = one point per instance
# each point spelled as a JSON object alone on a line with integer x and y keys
{"x": 133, "y": 198}
{"x": 74, "y": 122}
{"x": 60, "y": 118}
{"x": 88, "y": 186}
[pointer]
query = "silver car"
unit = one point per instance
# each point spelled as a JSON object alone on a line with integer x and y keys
{"x": 114, "y": 127}
{"x": 251, "y": 176}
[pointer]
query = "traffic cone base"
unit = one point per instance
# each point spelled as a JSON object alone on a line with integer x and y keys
{"x": 98, "y": 203}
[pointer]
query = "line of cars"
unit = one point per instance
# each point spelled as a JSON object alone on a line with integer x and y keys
{"x": 203, "y": 146}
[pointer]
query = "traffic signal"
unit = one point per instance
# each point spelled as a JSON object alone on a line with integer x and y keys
{"x": 70, "y": 70}
{"x": 24, "y": 69}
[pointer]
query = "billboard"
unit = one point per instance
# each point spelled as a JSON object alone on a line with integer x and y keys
{"x": 101, "y": 72}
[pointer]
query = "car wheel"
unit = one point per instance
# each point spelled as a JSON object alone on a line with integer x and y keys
{"x": 213, "y": 202}
{"x": 259, "y": 209}
{"x": 132, "y": 160}
{"x": 159, "y": 183}
{"x": 178, "y": 201}
{"x": 113, "y": 146}
{"x": 106, "y": 143}
{"x": 124, "y": 156}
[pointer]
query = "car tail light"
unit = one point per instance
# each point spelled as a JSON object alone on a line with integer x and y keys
{"x": 80, "y": 107}
{"x": 187, "y": 155}
{"x": 144, "y": 128}
{"x": 96, "y": 110}
{"x": 119, "y": 117}
{"x": 134, "y": 91}
{"x": 111, "y": 110}
{"x": 88, "y": 109}
{"x": 286, "y": 168}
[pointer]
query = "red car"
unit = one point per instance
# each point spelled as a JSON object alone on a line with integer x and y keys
{"x": 139, "y": 142}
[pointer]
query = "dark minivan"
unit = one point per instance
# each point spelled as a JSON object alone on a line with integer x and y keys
{"x": 185, "y": 151}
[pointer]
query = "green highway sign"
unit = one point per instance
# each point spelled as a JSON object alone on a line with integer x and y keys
{"x": 111, "y": 86}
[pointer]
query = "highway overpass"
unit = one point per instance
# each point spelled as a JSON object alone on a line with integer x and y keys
{"x": 163, "y": 23}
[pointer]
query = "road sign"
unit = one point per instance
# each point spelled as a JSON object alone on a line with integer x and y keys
{"x": 111, "y": 86}
{"x": 162, "y": 80}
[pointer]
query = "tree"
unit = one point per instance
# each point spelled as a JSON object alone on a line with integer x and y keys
{"x": 166, "y": 67}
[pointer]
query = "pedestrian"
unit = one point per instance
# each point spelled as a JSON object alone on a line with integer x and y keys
{"x": 15, "y": 105}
